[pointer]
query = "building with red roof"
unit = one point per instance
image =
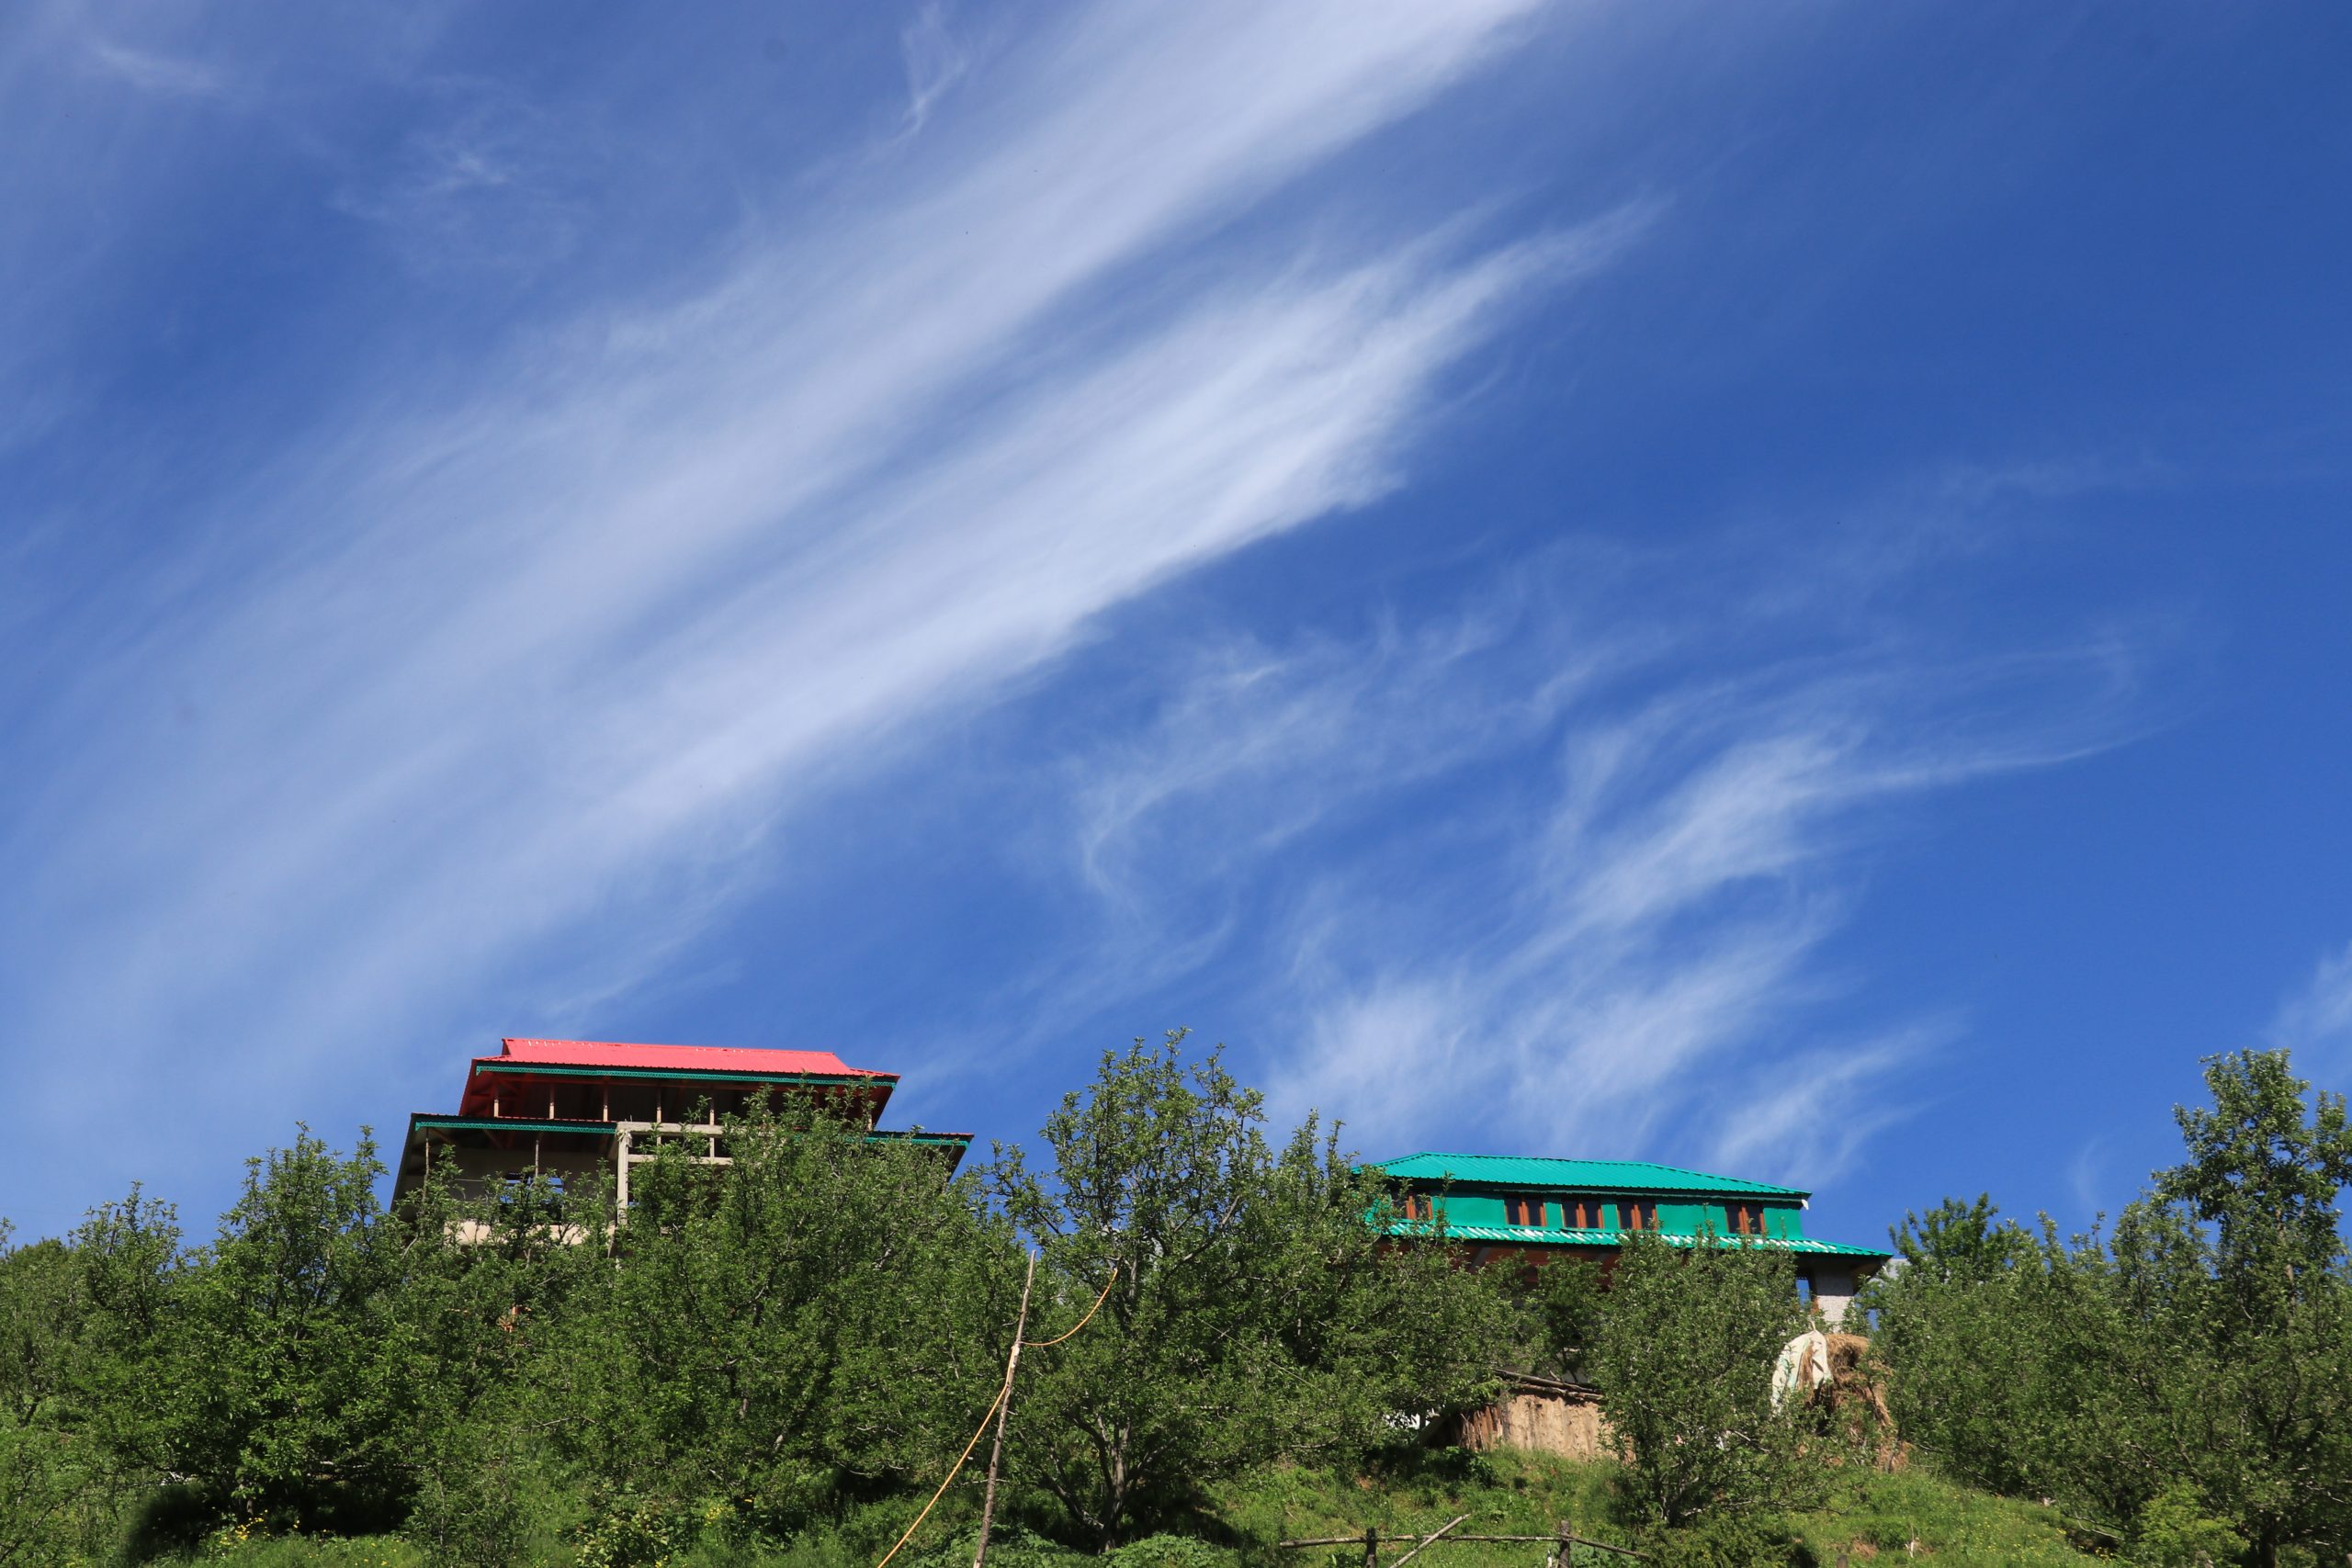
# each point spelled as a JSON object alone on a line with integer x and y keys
{"x": 561, "y": 1108}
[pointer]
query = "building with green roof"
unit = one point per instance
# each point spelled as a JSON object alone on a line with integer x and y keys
{"x": 1504, "y": 1207}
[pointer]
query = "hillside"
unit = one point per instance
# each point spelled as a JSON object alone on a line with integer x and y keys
{"x": 1504, "y": 1494}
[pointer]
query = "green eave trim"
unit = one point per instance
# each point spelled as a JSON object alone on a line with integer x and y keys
{"x": 563, "y": 1070}
{"x": 605, "y": 1129}
{"x": 504, "y": 1124}
{"x": 1530, "y": 1235}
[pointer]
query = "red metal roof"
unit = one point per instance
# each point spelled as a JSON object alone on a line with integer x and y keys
{"x": 677, "y": 1059}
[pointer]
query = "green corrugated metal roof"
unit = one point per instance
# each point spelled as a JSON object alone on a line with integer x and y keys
{"x": 1603, "y": 1176}
{"x": 1543, "y": 1236}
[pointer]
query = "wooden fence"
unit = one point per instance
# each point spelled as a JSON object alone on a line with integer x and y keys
{"x": 1563, "y": 1542}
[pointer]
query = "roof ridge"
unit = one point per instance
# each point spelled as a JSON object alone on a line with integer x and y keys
{"x": 654, "y": 1044}
{"x": 1563, "y": 1160}
{"x": 1466, "y": 1167}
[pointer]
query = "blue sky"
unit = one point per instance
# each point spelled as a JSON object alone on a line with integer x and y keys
{"x": 1755, "y": 587}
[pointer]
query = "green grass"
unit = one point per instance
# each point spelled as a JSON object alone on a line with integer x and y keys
{"x": 1504, "y": 1494}
{"x": 1956, "y": 1527}
{"x": 1870, "y": 1517}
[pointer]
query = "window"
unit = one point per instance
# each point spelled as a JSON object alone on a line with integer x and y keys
{"x": 1746, "y": 1219}
{"x": 1632, "y": 1214}
{"x": 1414, "y": 1206}
{"x": 1584, "y": 1214}
{"x": 532, "y": 1195}
{"x": 1522, "y": 1210}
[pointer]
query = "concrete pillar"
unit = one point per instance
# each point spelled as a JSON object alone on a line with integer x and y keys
{"x": 1833, "y": 1289}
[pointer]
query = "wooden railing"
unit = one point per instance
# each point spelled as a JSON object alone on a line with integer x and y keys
{"x": 1564, "y": 1540}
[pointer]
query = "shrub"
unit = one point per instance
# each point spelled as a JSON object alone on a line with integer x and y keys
{"x": 1684, "y": 1358}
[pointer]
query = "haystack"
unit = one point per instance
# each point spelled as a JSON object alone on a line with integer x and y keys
{"x": 1833, "y": 1375}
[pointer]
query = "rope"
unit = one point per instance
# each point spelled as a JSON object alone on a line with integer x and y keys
{"x": 1041, "y": 1344}
{"x": 952, "y": 1472}
{"x": 957, "y": 1468}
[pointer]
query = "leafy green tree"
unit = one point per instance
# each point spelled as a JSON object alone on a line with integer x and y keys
{"x": 49, "y": 1471}
{"x": 285, "y": 1379}
{"x": 128, "y": 1264}
{"x": 1958, "y": 1241}
{"x": 817, "y": 1319}
{"x": 2266, "y": 1301}
{"x": 2174, "y": 1531}
{"x": 2195, "y": 1365}
{"x": 1997, "y": 1339}
{"x": 2263, "y": 1171}
{"x": 1560, "y": 1309}
{"x": 1688, "y": 1337}
{"x": 1252, "y": 1314}
{"x": 485, "y": 1282}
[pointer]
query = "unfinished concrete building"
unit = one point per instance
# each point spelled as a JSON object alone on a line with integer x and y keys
{"x": 563, "y": 1109}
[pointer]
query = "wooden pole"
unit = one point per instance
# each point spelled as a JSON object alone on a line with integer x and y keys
{"x": 1427, "y": 1538}
{"x": 1003, "y": 1409}
{"x": 1372, "y": 1546}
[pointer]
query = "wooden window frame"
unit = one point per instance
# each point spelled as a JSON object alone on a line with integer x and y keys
{"x": 1518, "y": 1205}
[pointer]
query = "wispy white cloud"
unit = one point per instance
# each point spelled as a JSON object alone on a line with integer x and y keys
{"x": 487, "y": 180}
{"x": 165, "y": 75}
{"x": 936, "y": 60}
{"x": 1632, "y": 959}
{"x": 2316, "y": 1019}
{"x": 2086, "y": 1177}
{"x": 571, "y": 627}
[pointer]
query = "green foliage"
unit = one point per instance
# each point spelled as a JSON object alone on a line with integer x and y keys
{"x": 1169, "y": 1551}
{"x": 818, "y": 1317}
{"x": 287, "y": 1379}
{"x": 471, "y": 1516}
{"x": 631, "y": 1531}
{"x": 2260, "y": 1171}
{"x": 2194, "y": 1365}
{"x": 2005, "y": 1371}
{"x": 1725, "y": 1541}
{"x": 772, "y": 1361}
{"x": 1251, "y": 1313}
{"x": 128, "y": 1271}
{"x": 47, "y": 1470}
{"x": 2174, "y": 1531}
{"x": 483, "y": 1283}
{"x": 1684, "y": 1359}
{"x": 1564, "y": 1303}
{"x": 1958, "y": 1241}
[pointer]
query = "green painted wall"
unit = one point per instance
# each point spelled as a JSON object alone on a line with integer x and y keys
{"x": 1478, "y": 1207}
